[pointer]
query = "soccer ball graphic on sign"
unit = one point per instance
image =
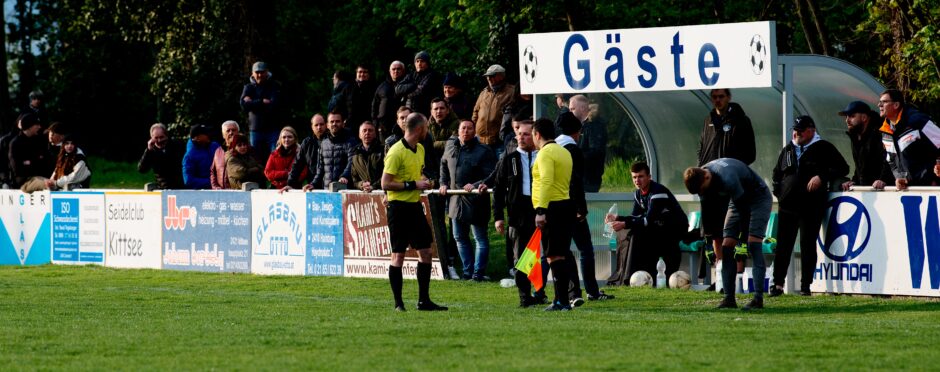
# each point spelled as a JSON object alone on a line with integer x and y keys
{"x": 641, "y": 279}
{"x": 530, "y": 63}
{"x": 759, "y": 55}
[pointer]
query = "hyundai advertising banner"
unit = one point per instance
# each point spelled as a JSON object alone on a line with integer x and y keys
{"x": 78, "y": 235}
{"x": 324, "y": 234}
{"x": 207, "y": 231}
{"x": 880, "y": 243}
{"x": 25, "y": 235}
{"x": 368, "y": 245}
{"x": 279, "y": 232}
{"x": 727, "y": 55}
{"x": 134, "y": 234}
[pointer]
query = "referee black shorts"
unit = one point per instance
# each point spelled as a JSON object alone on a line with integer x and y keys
{"x": 559, "y": 225}
{"x": 408, "y": 226}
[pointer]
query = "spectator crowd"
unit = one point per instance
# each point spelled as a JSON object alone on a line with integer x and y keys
{"x": 488, "y": 150}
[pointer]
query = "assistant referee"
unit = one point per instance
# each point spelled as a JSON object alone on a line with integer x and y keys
{"x": 554, "y": 210}
{"x": 403, "y": 181}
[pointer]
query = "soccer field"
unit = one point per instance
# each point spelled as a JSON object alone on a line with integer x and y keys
{"x": 60, "y": 317}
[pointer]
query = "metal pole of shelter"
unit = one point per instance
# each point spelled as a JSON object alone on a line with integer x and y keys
{"x": 787, "y": 97}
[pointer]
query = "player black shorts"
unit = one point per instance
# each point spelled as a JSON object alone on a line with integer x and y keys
{"x": 559, "y": 225}
{"x": 408, "y": 226}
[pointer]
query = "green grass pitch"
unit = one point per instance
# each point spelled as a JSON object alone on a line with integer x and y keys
{"x": 61, "y": 317}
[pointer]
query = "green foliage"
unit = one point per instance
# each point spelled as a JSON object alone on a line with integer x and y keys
{"x": 106, "y": 174}
{"x": 69, "y": 318}
{"x": 617, "y": 176}
{"x": 910, "y": 54}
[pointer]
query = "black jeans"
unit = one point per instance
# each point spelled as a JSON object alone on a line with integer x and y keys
{"x": 807, "y": 222}
{"x": 581, "y": 235}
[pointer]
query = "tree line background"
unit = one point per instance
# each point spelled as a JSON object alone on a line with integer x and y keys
{"x": 110, "y": 69}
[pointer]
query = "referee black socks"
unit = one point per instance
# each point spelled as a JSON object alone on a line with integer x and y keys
{"x": 394, "y": 277}
{"x": 424, "y": 281}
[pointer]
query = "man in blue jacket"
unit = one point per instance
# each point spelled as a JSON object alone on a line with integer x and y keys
{"x": 197, "y": 162}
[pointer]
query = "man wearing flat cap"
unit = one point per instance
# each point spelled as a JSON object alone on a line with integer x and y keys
{"x": 488, "y": 111}
{"x": 421, "y": 86}
{"x": 260, "y": 99}
{"x": 867, "y": 150}
{"x": 801, "y": 177}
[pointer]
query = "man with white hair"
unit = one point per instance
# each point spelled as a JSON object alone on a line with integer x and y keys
{"x": 218, "y": 177}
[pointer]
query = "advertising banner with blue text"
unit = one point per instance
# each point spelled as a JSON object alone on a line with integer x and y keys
{"x": 78, "y": 227}
{"x": 728, "y": 55}
{"x": 207, "y": 231}
{"x": 279, "y": 238}
{"x": 368, "y": 244}
{"x": 324, "y": 234}
{"x": 880, "y": 243}
{"x": 134, "y": 230}
{"x": 25, "y": 232}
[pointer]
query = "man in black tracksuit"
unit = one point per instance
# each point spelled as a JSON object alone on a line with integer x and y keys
{"x": 656, "y": 224}
{"x": 801, "y": 177}
{"x": 512, "y": 190}
{"x": 727, "y": 133}
{"x": 570, "y": 127}
{"x": 868, "y": 152}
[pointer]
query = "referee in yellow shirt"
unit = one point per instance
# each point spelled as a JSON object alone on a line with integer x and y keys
{"x": 403, "y": 181}
{"x": 554, "y": 210}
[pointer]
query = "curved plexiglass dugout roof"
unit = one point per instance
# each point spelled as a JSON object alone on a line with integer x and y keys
{"x": 664, "y": 127}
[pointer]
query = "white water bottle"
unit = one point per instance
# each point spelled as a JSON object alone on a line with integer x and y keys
{"x": 608, "y": 226}
{"x": 661, "y": 276}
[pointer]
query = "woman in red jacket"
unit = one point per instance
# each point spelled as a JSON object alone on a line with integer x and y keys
{"x": 282, "y": 158}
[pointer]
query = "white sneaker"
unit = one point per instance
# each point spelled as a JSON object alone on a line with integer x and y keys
{"x": 453, "y": 273}
{"x": 577, "y": 301}
{"x": 507, "y": 283}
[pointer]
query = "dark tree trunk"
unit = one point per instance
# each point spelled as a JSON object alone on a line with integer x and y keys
{"x": 820, "y": 26}
{"x": 808, "y": 32}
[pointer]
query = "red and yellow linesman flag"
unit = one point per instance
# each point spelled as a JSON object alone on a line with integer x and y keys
{"x": 531, "y": 260}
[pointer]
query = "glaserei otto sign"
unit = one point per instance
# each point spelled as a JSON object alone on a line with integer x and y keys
{"x": 731, "y": 55}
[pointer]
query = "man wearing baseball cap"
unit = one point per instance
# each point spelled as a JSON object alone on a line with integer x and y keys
{"x": 867, "y": 150}
{"x": 488, "y": 111}
{"x": 801, "y": 178}
{"x": 260, "y": 99}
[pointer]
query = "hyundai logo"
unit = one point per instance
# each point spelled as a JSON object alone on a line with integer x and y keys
{"x": 847, "y": 218}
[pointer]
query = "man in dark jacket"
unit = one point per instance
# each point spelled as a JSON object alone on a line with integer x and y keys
{"x": 801, "y": 179}
{"x": 512, "y": 190}
{"x": 867, "y": 150}
{"x": 305, "y": 164}
{"x": 164, "y": 156}
{"x": 656, "y": 224}
{"x": 422, "y": 85}
{"x": 386, "y": 102}
{"x": 260, "y": 98}
{"x": 367, "y": 161}
{"x": 464, "y": 166}
{"x": 360, "y": 102}
{"x": 458, "y": 101}
{"x": 592, "y": 142}
{"x": 442, "y": 126}
{"x": 570, "y": 127}
{"x": 911, "y": 141}
{"x": 28, "y": 155}
{"x": 727, "y": 133}
{"x": 334, "y": 163}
